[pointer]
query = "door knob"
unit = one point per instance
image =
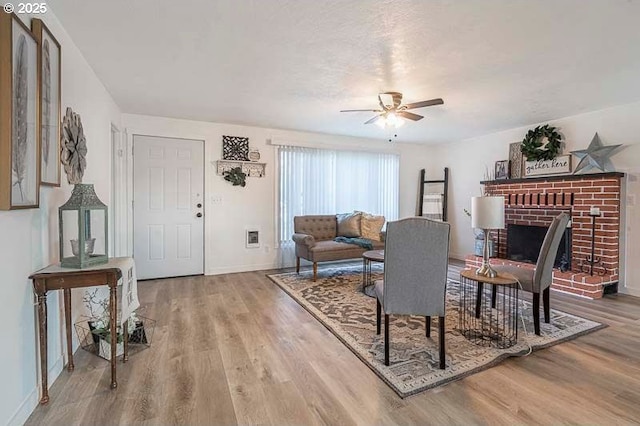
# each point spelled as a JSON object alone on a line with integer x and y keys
{"x": 199, "y": 215}
{"x": 199, "y": 205}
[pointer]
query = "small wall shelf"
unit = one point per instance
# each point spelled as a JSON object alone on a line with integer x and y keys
{"x": 251, "y": 168}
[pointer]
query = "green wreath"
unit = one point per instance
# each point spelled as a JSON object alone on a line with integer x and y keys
{"x": 532, "y": 143}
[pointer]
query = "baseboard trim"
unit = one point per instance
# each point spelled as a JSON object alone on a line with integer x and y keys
{"x": 630, "y": 291}
{"x": 241, "y": 268}
{"x": 457, "y": 256}
{"x": 25, "y": 409}
{"x": 33, "y": 398}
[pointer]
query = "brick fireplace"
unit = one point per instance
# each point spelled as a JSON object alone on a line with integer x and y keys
{"x": 536, "y": 201}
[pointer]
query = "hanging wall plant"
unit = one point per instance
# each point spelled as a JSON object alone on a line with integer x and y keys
{"x": 533, "y": 147}
{"x": 236, "y": 176}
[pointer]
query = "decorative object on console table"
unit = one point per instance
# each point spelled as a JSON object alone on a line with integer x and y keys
{"x": 235, "y": 148}
{"x": 49, "y": 60}
{"x": 236, "y": 176}
{"x": 502, "y": 169}
{"x": 557, "y": 166}
{"x": 83, "y": 229}
{"x": 74, "y": 147}
{"x": 19, "y": 121}
{"x": 487, "y": 213}
{"x": 596, "y": 156}
{"x": 515, "y": 160}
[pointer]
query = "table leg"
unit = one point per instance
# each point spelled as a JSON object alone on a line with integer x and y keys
{"x": 113, "y": 318}
{"x": 67, "y": 321}
{"x": 479, "y": 299}
{"x": 42, "y": 322}
{"x": 364, "y": 273}
{"x": 125, "y": 340}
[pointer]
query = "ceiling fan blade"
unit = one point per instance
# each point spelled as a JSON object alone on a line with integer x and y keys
{"x": 381, "y": 102}
{"x": 409, "y": 115}
{"x": 360, "y": 110}
{"x": 423, "y": 104}
{"x": 397, "y": 98}
{"x": 372, "y": 120}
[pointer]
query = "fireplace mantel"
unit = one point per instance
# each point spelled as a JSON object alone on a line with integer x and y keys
{"x": 553, "y": 178}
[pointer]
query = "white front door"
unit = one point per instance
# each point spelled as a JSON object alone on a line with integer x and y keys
{"x": 168, "y": 198}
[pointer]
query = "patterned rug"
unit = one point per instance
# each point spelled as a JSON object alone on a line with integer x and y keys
{"x": 337, "y": 301}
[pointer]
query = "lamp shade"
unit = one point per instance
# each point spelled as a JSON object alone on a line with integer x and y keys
{"x": 487, "y": 212}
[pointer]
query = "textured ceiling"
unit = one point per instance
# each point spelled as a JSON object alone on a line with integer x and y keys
{"x": 294, "y": 64}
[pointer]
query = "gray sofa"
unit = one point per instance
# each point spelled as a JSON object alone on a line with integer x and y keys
{"x": 314, "y": 241}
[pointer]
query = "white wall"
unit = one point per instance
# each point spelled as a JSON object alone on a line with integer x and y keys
{"x": 230, "y": 210}
{"x": 29, "y": 240}
{"x": 618, "y": 125}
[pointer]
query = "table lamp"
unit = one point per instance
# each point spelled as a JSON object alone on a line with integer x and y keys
{"x": 487, "y": 213}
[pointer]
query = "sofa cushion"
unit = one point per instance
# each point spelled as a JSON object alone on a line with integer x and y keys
{"x": 349, "y": 224}
{"x": 326, "y": 246}
{"x": 371, "y": 226}
{"x": 321, "y": 227}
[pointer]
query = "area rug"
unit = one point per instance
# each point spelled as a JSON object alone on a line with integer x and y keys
{"x": 337, "y": 301}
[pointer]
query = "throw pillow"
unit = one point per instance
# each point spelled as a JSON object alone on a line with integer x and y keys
{"x": 349, "y": 224}
{"x": 371, "y": 226}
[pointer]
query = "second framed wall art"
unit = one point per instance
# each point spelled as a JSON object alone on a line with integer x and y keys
{"x": 49, "y": 64}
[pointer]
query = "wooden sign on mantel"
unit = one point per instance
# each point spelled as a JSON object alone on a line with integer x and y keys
{"x": 558, "y": 166}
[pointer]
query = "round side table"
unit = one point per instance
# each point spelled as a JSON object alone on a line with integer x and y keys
{"x": 489, "y": 318}
{"x": 367, "y": 258}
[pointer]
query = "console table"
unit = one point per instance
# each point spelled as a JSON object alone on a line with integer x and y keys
{"x": 54, "y": 277}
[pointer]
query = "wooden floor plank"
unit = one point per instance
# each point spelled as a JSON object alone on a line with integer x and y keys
{"x": 236, "y": 349}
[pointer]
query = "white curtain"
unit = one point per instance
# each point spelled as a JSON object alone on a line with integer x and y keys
{"x": 321, "y": 181}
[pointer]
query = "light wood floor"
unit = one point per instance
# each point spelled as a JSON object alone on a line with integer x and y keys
{"x": 235, "y": 349}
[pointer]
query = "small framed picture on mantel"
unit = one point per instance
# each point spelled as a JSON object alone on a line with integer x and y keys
{"x": 502, "y": 170}
{"x": 561, "y": 165}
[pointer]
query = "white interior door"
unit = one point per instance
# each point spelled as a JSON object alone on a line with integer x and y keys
{"x": 168, "y": 223}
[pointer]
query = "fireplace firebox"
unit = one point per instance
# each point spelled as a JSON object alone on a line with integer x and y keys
{"x": 524, "y": 243}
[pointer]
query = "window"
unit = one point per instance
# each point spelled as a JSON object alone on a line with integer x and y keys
{"x": 320, "y": 181}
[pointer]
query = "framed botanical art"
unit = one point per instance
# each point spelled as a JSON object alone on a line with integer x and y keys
{"x": 49, "y": 64}
{"x": 19, "y": 118}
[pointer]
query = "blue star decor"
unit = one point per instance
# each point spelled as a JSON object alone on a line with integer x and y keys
{"x": 596, "y": 156}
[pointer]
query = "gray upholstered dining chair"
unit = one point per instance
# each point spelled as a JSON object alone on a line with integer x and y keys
{"x": 415, "y": 275}
{"x": 538, "y": 280}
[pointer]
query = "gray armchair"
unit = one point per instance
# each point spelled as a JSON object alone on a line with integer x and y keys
{"x": 415, "y": 275}
{"x": 538, "y": 280}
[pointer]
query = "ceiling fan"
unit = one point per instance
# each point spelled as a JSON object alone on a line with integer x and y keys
{"x": 393, "y": 111}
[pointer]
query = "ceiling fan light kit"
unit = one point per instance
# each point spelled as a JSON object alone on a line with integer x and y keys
{"x": 389, "y": 121}
{"x": 393, "y": 113}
